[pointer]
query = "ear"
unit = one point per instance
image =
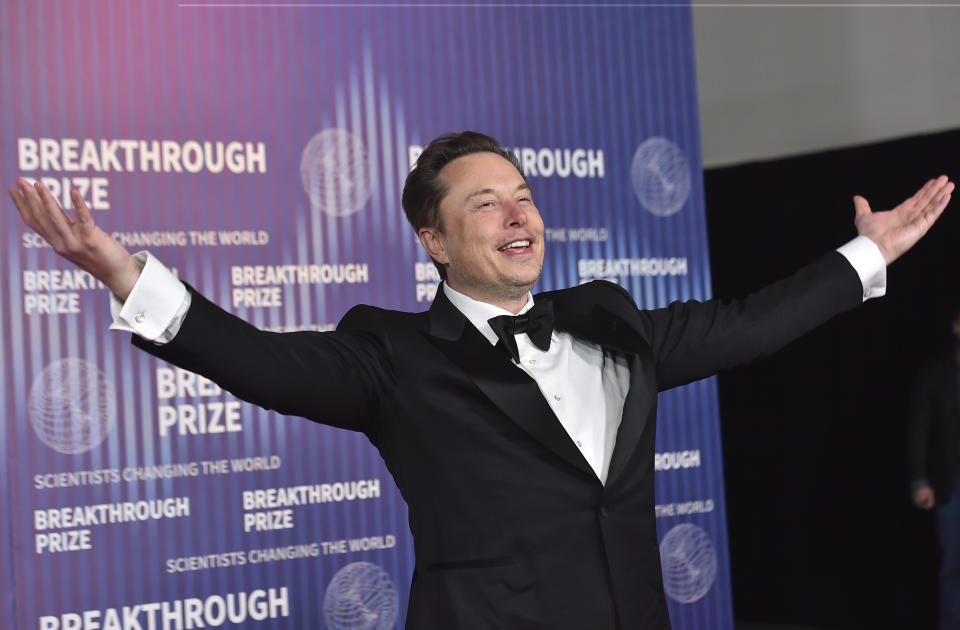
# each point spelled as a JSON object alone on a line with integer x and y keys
{"x": 432, "y": 240}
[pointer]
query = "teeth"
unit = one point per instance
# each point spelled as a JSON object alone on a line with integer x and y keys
{"x": 516, "y": 244}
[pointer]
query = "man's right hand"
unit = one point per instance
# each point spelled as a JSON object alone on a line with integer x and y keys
{"x": 923, "y": 498}
{"x": 80, "y": 241}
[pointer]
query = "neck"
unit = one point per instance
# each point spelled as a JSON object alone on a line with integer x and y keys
{"x": 508, "y": 299}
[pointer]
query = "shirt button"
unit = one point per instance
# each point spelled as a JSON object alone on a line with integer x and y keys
{"x": 579, "y": 443}
{"x": 556, "y": 396}
{"x": 139, "y": 317}
{"x": 532, "y": 361}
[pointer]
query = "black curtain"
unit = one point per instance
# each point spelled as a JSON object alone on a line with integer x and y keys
{"x": 822, "y": 531}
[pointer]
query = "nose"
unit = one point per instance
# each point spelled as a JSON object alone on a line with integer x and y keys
{"x": 515, "y": 214}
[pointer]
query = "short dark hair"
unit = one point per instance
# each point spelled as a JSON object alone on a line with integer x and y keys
{"x": 424, "y": 190}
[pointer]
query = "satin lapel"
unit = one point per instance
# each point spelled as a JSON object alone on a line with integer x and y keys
{"x": 601, "y": 326}
{"x": 507, "y": 386}
{"x": 640, "y": 404}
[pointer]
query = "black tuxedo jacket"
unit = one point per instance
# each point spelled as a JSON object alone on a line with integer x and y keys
{"x": 511, "y": 526}
{"x": 933, "y": 439}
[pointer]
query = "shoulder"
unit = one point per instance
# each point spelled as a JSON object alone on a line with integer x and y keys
{"x": 366, "y": 318}
{"x": 581, "y": 301}
{"x": 601, "y": 292}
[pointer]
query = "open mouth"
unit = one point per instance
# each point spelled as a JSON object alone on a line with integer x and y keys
{"x": 520, "y": 246}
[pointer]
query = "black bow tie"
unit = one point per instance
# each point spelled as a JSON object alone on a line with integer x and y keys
{"x": 537, "y": 323}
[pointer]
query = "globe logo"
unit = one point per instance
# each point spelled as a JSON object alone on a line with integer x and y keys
{"x": 334, "y": 173}
{"x": 72, "y": 406}
{"x": 661, "y": 179}
{"x": 360, "y": 596}
{"x": 689, "y": 563}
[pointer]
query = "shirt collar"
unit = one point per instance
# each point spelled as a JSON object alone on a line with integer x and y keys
{"x": 479, "y": 312}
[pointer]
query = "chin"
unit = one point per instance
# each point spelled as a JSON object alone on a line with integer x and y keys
{"x": 526, "y": 280}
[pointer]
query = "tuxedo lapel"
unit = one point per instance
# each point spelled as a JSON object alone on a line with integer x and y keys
{"x": 508, "y": 387}
{"x": 641, "y": 399}
{"x": 586, "y": 318}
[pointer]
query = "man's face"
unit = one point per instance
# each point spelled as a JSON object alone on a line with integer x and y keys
{"x": 491, "y": 235}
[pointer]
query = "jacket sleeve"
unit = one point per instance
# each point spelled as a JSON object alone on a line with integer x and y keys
{"x": 692, "y": 340}
{"x": 336, "y": 378}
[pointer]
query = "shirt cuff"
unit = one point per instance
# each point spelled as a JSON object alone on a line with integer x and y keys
{"x": 869, "y": 264}
{"x": 155, "y": 307}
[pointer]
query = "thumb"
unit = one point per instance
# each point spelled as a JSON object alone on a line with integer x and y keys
{"x": 861, "y": 207}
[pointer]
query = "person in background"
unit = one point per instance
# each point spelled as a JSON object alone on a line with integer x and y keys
{"x": 933, "y": 458}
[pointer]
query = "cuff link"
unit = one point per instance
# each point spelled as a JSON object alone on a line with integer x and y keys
{"x": 139, "y": 317}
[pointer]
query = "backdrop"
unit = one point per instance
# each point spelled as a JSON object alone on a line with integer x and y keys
{"x": 260, "y": 150}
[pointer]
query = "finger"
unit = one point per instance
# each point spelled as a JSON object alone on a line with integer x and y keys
{"x": 84, "y": 217}
{"x": 31, "y": 209}
{"x": 940, "y": 185}
{"x": 18, "y": 200}
{"x": 936, "y": 206}
{"x": 924, "y": 192}
{"x": 60, "y": 219}
{"x": 929, "y": 190}
{"x": 946, "y": 192}
{"x": 22, "y": 207}
{"x": 52, "y": 217}
{"x": 22, "y": 199}
{"x": 860, "y": 207}
{"x": 938, "y": 210}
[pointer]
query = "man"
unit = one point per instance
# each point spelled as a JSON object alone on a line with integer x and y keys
{"x": 933, "y": 458}
{"x": 528, "y": 467}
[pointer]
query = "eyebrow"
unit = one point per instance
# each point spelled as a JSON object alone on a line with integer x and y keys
{"x": 487, "y": 191}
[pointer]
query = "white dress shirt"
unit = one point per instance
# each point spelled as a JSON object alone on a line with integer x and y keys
{"x": 584, "y": 385}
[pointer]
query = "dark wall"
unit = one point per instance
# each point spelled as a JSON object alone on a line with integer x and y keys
{"x": 822, "y": 531}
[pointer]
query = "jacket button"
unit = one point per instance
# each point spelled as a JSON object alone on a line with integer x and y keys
{"x": 603, "y": 511}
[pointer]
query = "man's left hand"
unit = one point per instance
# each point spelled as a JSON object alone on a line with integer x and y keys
{"x": 897, "y": 230}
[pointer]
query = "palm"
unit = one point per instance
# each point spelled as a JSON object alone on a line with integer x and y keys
{"x": 897, "y": 230}
{"x": 78, "y": 240}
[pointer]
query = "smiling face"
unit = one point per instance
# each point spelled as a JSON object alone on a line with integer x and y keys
{"x": 490, "y": 235}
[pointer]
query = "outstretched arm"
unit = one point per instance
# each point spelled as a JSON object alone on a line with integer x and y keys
{"x": 78, "y": 240}
{"x": 692, "y": 340}
{"x": 897, "y": 230}
{"x": 335, "y": 378}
